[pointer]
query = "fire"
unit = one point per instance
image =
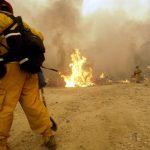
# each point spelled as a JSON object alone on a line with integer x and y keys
{"x": 125, "y": 81}
{"x": 79, "y": 76}
{"x": 102, "y": 76}
{"x": 148, "y": 67}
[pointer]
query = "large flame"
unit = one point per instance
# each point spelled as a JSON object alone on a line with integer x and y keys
{"x": 80, "y": 77}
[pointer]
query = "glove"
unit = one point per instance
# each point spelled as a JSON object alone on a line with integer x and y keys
{"x": 2, "y": 68}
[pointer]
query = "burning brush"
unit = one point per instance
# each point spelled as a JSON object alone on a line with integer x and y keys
{"x": 80, "y": 77}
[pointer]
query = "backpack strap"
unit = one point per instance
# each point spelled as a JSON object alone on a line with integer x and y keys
{"x": 4, "y": 46}
{"x": 20, "y": 24}
{"x": 17, "y": 20}
{"x": 8, "y": 28}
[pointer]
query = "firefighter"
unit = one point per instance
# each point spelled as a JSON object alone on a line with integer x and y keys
{"x": 17, "y": 85}
{"x": 137, "y": 74}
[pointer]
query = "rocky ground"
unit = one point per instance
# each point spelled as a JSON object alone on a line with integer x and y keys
{"x": 107, "y": 117}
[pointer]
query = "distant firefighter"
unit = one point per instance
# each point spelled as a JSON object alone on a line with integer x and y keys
{"x": 138, "y": 74}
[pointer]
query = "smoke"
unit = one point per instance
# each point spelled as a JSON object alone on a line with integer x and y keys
{"x": 114, "y": 42}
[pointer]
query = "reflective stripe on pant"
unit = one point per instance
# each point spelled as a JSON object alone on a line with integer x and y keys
{"x": 18, "y": 85}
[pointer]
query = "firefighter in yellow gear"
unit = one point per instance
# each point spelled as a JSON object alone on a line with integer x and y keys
{"x": 19, "y": 86}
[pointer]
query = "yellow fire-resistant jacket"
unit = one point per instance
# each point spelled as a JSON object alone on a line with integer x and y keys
{"x": 5, "y": 22}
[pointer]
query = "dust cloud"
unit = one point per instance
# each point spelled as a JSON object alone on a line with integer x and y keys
{"x": 114, "y": 42}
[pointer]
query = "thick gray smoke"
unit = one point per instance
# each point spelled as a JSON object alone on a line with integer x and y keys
{"x": 113, "y": 42}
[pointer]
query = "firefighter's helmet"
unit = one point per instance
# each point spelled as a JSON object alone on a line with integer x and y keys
{"x": 5, "y": 6}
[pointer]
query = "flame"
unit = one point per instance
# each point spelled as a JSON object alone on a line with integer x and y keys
{"x": 125, "y": 81}
{"x": 102, "y": 76}
{"x": 79, "y": 76}
{"x": 148, "y": 67}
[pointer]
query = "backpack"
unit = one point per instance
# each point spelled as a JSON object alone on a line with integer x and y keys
{"x": 27, "y": 48}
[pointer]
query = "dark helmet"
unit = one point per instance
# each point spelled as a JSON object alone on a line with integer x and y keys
{"x": 1, "y": 1}
{"x": 5, "y": 6}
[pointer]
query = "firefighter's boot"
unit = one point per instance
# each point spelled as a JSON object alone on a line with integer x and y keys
{"x": 3, "y": 144}
{"x": 49, "y": 142}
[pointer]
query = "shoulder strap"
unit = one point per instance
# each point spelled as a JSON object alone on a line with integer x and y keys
{"x": 4, "y": 46}
{"x": 20, "y": 23}
{"x": 17, "y": 20}
{"x": 8, "y": 28}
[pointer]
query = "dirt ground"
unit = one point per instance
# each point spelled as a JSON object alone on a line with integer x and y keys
{"x": 107, "y": 117}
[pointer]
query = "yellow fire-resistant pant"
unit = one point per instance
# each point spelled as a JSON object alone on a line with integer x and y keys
{"x": 18, "y": 85}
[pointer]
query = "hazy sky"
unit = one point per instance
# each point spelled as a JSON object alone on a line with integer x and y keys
{"x": 135, "y": 8}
